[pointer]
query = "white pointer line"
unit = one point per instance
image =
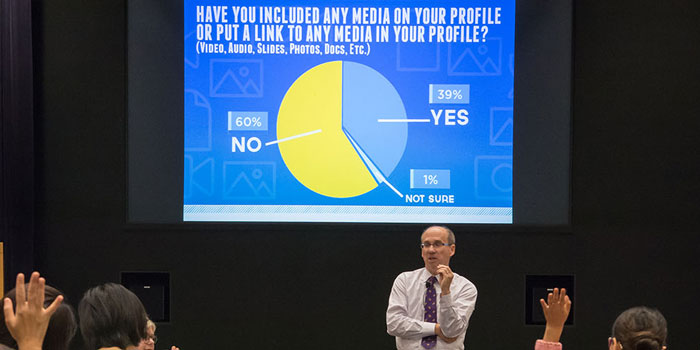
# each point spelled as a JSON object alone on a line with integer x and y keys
{"x": 392, "y": 187}
{"x": 403, "y": 120}
{"x": 292, "y": 137}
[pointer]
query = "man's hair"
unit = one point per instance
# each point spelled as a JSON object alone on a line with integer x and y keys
{"x": 62, "y": 325}
{"x": 450, "y": 235}
{"x": 150, "y": 324}
{"x": 111, "y": 315}
{"x": 640, "y": 328}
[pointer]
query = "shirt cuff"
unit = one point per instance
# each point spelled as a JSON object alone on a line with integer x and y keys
{"x": 546, "y": 345}
{"x": 428, "y": 328}
{"x": 446, "y": 300}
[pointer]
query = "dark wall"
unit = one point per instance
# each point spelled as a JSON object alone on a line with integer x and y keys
{"x": 16, "y": 139}
{"x": 634, "y": 240}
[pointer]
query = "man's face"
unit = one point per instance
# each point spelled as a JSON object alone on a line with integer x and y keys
{"x": 148, "y": 343}
{"x": 435, "y": 253}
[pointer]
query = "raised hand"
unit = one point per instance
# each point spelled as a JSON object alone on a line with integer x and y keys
{"x": 556, "y": 311}
{"x": 29, "y": 320}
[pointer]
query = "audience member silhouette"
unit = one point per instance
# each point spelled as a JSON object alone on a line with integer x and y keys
{"x": 27, "y": 317}
{"x": 637, "y": 328}
{"x": 111, "y": 317}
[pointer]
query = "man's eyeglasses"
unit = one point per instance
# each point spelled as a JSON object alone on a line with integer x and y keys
{"x": 436, "y": 245}
{"x": 151, "y": 338}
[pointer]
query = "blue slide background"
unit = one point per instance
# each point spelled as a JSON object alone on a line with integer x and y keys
{"x": 478, "y": 155}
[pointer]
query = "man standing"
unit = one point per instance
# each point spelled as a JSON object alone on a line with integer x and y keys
{"x": 429, "y": 308}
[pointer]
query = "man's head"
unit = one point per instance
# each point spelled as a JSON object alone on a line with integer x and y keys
{"x": 149, "y": 343}
{"x": 437, "y": 247}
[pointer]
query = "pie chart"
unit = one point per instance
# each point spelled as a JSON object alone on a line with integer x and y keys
{"x": 338, "y": 117}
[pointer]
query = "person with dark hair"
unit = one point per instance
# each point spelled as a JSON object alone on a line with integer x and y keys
{"x": 111, "y": 316}
{"x": 429, "y": 308}
{"x": 638, "y": 328}
{"x": 29, "y": 320}
{"x": 62, "y": 325}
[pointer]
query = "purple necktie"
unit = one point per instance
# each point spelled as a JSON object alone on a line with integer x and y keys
{"x": 430, "y": 312}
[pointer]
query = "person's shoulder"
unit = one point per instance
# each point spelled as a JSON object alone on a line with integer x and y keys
{"x": 463, "y": 281}
{"x": 411, "y": 274}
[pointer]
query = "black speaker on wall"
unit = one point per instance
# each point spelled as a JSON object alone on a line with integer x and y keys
{"x": 538, "y": 287}
{"x": 153, "y": 288}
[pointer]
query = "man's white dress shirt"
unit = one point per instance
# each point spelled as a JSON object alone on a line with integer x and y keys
{"x": 404, "y": 316}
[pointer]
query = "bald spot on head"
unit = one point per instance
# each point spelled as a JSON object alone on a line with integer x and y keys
{"x": 450, "y": 235}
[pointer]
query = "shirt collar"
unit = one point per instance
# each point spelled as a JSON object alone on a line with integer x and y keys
{"x": 424, "y": 275}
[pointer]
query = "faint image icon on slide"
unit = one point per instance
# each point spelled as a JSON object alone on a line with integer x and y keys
{"x": 235, "y": 78}
{"x": 197, "y": 122}
{"x": 350, "y": 152}
{"x": 199, "y": 177}
{"x": 493, "y": 177}
{"x": 249, "y": 180}
{"x": 475, "y": 59}
{"x": 501, "y": 126}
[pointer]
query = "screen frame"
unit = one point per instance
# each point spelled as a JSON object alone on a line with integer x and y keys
{"x": 134, "y": 199}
